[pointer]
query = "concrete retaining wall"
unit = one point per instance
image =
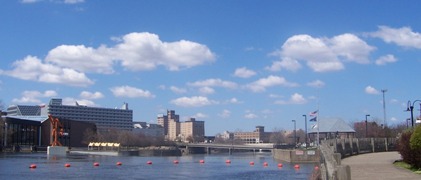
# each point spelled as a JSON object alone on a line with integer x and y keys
{"x": 297, "y": 156}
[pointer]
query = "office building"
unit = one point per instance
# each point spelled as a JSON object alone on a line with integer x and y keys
{"x": 174, "y": 130}
{"x": 104, "y": 118}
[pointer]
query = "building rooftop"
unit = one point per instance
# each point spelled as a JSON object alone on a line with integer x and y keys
{"x": 330, "y": 125}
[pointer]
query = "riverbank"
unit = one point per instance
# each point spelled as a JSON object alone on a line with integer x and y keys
{"x": 378, "y": 166}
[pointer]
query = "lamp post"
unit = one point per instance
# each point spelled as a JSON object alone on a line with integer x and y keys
{"x": 305, "y": 120}
{"x": 295, "y": 132}
{"x": 410, "y": 107}
{"x": 366, "y": 125}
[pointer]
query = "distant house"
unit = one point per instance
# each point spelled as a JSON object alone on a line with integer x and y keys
{"x": 330, "y": 128}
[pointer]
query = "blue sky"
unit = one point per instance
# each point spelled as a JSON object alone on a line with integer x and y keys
{"x": 232, "y": 64}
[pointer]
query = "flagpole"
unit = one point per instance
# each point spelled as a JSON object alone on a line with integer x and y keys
{"x": 317, "y": 117}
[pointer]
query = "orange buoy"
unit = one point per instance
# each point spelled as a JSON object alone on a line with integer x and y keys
{"x": 265, "y": 164}
{"x": 280, "y": 165}
{"x": 149, "y": 162}
{"x": 96, "y": 164}
{"x": 175, "y": 162}
{"x": 297, "y": 166}
{"x": 119, "y": 163}
{"x": 67, "y": 165}
{"x": 251, "y": 163}
{"x": 202, "y": 161}
{"x": 33, "y": 166}
{"x": 228, "y": 161}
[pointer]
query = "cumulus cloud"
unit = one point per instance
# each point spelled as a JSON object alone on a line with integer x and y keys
{"x": 200, "y": 115}
{"x": 90, "y": 95}
{"x": 206, "y": 90}
{"x": 145, "y": 51}
{"x": 178, "y": 90}
{"x": 131, "y": 92}
{"x": 316, "y": 83}
{"x": 34, "y": 96}
{"x": 404, "y": 36}
{"x": 81, "y": 58}
{"x": 30, "y": 1}
{"x": 66, "y": 64}
{"x": 250, "y": 116}
{"x": 83, "y": 102}
{"x": 234, "y": 101}
{"x": 32, "y": 68}
{"x": 243, "y": 72}
{"x": 263, "y": 83}
{"x": 73, "y": 1}
{"x": 214, "y": 83}
{"x": 386, "y": 59}
{"x": 371, "y": 90}
{"x": 321, "y": 54}
{"x": 294, "y": 99}
{"x": 195, "y": 101}
{"x": 225, "y": 113}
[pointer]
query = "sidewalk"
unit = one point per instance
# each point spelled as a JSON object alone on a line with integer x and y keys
{"x": 378, "y": 166}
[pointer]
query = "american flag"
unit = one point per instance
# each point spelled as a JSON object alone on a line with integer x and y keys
{"x": 314, "y": 113}
{"x": 313, "y": 119}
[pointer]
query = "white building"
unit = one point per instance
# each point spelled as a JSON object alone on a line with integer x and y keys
{"x": 104, "y": 118}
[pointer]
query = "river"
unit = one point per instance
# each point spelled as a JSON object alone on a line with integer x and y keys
{"x": 16, "y": 166}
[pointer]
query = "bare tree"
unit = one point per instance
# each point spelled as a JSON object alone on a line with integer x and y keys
{"x": 277, "y": 136}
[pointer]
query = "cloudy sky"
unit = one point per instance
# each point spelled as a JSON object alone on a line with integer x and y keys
{"x": 233, "y": 64}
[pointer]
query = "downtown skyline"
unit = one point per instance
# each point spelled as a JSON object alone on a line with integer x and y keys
{"x": 232, "y": 64}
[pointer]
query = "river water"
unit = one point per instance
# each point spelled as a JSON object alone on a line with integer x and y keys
{"x": 16, "y": 166}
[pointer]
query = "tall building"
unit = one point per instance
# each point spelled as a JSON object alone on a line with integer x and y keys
{"x": 104, "y": 118}
{"x": 190, "y": 130}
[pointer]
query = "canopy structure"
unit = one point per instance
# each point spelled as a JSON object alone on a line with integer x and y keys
{"x": 329, "y": 128}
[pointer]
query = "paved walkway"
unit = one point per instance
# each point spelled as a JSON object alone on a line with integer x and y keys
{"x": 378, "y": 166}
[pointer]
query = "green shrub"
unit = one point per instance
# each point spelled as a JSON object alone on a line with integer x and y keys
{"x": 415, "y": 140}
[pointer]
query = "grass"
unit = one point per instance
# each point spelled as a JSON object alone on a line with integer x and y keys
{"x": 407, "y": 166}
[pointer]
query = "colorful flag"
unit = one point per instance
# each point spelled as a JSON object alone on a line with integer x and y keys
{"x": 314, "y": 113}
{"x": 313, "y": 119}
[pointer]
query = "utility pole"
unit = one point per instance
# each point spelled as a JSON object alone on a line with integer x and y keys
{"x": 384, "y": 108}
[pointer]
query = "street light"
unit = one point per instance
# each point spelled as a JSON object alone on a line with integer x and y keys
{"x": 305, "y": 120}
{"x": 295, "y": 132}
{"x": 410, "y": 107}
{"x": 366, "y": 125}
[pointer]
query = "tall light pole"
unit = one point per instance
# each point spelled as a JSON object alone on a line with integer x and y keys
{"x": 410, "y": 107}
{"x": 384, "y": 108}
{"x": 295, "y": 132}
{"x": 305, "y": 120}
{"x": 366, "y": 125}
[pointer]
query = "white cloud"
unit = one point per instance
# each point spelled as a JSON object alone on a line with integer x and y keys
{"x": 206, "y": 90}
{"x": 33, "y": 96}
{"x": 263, "y": 83}
{"x": 401, "y": 36}
{"x": 131, "y": 92}
{"x": 234, "y": 101}
{"x": 294, "y": 99}
{"x": 321, "y": 54}
{"x": 225, "y": 113}
{"x": 195, "y": 101}
{"x": 371, "y": 90}
{"x": 83, "y": 102}
{"x": 178, "y": 90}
{"x": 73, "y": 1}
{"x": 243, "y": 72}
{"x": 90, "y": 95}
{"x": 81, "y": 58}
{"x": 316, "y": 83}
{"x": 200, "y": 115}
{"x": 30, "y": 1}
{"x": 214, "y": 83}
{"x": 386, "y": 59}
{"x": 250, "y": 116}
{"x": 145, "y": 51}
{"x": 32, "y": 68}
